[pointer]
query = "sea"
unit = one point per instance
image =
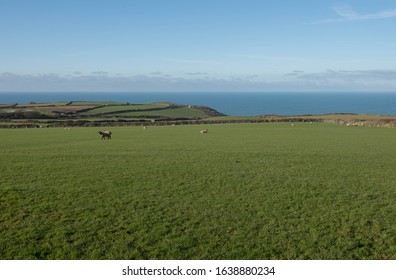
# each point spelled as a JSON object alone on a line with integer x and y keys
{"x": 237, "y": 103}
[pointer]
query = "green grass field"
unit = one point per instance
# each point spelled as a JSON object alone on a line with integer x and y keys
{"x": 247, "y": 191}
{"x": 183, "y": 112}
{"x": 28, "y": 105}
{"x": 121, "y": 108}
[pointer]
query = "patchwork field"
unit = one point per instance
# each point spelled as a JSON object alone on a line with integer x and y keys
{"x": 87, "y": 112}
{"x": 241, "y": 191}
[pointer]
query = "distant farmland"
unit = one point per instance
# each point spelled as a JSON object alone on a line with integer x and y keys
{"x": 88, "y": 113}
{"x": 241, "y": 191}
{"x": 94, "y": 113}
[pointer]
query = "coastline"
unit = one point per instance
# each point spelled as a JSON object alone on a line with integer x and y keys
{"x": 238, "y": 103}
{"x": 105, "y": 114}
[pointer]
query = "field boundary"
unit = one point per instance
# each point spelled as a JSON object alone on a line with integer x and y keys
{"x": 158, "y": 122}
{"x": 28, "y": 116}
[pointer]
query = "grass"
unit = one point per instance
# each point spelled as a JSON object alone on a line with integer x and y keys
{"x": 350, "y": 116}
{"x": 183, "y": 112}
{"x": 95, "y": 103}
{"x": 62, "y": 103}
{"x": 232, "y": 118}
{"x": 118, "y": 108}
{"x": 248, "y": 191}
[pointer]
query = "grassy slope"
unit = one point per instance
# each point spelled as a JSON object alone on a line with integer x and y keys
{"x": 148, "y": 111}
{"x": 114, "y": 109}
{"x": 61, "y": 103}
{"x": 183, "y": 112}
{"x": 106, "y": 110}
{"x": 96, "y": 103}
{"x": 264, "y": 191}
{"x": 350, "y": 116}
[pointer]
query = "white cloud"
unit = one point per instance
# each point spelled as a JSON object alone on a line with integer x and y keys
{"x": 297, "y": 80}
{"x": 346, "y": 13}
{"x": 196, "y": 73}
{"x": 348, "y": 78}
{"x": 100, "y": 73}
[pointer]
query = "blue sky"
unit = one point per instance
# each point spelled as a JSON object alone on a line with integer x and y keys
{"x": 197, "y": 45}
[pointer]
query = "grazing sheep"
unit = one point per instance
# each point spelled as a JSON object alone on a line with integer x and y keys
{"x": 144, "y": 127}
{"x": 105, "y": 134}
{"x": 204, "y": 131}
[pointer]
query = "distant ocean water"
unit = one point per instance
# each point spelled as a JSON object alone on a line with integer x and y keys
{"x": 238, "y": 104}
